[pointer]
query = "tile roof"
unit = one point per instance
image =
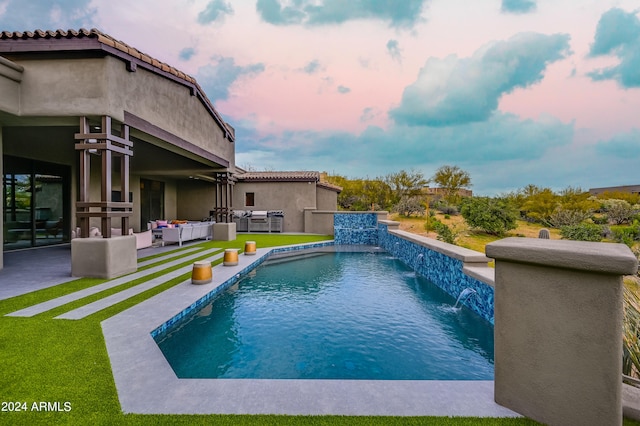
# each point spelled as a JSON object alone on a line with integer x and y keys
{"x": 300, "y": 176}
{"x": 110, "y": 45}
{"x": 330, "y": 186}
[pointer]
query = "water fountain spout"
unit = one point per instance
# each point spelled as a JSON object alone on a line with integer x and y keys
{"x": 464, "y": 295}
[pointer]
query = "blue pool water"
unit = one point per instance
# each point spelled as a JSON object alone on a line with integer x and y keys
{"x": 332, "y": 316}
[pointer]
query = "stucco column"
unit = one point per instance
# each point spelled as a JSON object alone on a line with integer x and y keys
{"x": 2, "y": 215}
{"x": 558, "y": 329}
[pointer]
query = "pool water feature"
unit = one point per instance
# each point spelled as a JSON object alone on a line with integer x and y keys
{"x": 332, "y": 316}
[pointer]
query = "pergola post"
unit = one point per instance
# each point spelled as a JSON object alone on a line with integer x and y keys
{"x": 106, "y": 145}
{"x": 103, "y": 257}
{"x": 224, "y": 197}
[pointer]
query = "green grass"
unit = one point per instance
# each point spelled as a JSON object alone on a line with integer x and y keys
{"x": 65, "y": 361}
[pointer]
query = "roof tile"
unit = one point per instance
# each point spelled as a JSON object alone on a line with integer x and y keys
{"x": 280, "y": 176}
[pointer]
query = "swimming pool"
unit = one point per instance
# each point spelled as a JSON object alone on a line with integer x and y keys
{"x": 332, "y": 316}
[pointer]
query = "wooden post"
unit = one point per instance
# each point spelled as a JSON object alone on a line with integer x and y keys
{"x": 105, "y": 144}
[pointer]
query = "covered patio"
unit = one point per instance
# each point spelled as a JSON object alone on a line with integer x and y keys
{"x": 96, "y": 134}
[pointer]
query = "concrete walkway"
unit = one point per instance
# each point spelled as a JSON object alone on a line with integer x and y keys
{"x": 71, "y": 297}
{"x": 25, "y": 271}
{"x": 98, "y": 305}
{"x": 29, "y": 270}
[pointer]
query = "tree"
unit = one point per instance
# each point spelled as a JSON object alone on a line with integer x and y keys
{"x": 493, "y": 215}
{"x": 451, "y": 179}
{"x": 618, "y": 211}
{"x": 408, "y": 206}
{"x": 361, "y": 194}
{"x": 405, "y": 184}
{"x": 540, "y": 205}
{"x": 568, "y": 217}
{"x": 576, "y": 199}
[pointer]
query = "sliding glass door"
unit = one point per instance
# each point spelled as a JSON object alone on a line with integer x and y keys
{"x": 36, "y": 205}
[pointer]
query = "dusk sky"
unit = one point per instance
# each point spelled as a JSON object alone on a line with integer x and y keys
{"x": 516, "y": 92}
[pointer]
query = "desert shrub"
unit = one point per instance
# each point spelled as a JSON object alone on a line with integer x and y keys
{"x": 618, "y": 211}
{"x": 568, "y": 217}
{"x": 492, "y": 215}
{"x": 447, "y": 216}
{"x": 582, "y": 232}
{"x": 600, "y": 219}
{"x": 636, "y": 251}
{"x": 448, "y": 209}
{"x": 408, "y": 206}
{"x": 539, "y": 205}
{"x": 446, "y": 233}
{"x": 628, "y": 235}
{"x": 631, "y": 329}
{"x": 431, "y": 223}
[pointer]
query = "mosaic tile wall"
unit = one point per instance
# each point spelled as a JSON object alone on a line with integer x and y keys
{"x": 355, "y": 228}
{"x": 443, "y": 271}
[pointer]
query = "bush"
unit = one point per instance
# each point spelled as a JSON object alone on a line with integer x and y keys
{"x": 431, "y": 223}
{"x": 448, "y": 209}
{"x": 445, "y": 233}
{"x": 408, "y": 206}
{"x": 600, "y": 220}
{"x": 582, "y": 232}
{"x": 627, "y": 234}
{"x": 631, "y": 335}
{"x": 618, "y": 211}
{"x": 492, "y": 215}
{"x": 567, "y": 217}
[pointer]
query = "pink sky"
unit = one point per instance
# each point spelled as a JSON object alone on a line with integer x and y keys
{"x": 253, "y": 68}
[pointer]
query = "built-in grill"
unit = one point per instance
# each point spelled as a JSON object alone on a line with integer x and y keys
{"x": 258, "y": 220}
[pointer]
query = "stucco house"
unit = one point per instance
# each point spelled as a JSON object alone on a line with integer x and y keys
{"x": 95, "y": 133}
{"x": 301, "y": 196}
{"x": 631, "y": 189}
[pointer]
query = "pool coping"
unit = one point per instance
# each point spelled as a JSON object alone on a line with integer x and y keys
{"x": 146, "y": 383}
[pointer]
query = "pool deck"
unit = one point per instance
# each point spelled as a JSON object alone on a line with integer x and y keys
{"x": 147, "y": 384}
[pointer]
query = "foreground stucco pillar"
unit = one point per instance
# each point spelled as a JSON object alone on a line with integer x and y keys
{"x": 103, "y": 257}
{"x": 1, "y": 216}
{"x": 558, "y": 329}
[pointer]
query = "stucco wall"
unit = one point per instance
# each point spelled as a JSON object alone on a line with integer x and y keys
{"x": 291, "y": 197}
{"x": 64, "y": 88}
{"x": 170, "y": 199}
{"x": 103, "y": 86}
{"x": 167, "y": 105}
{"x": 326, "y": 199}
{"x": 2, "y": 215}
{"x": 195, "y": 199}
{"x": 10, "y": 76}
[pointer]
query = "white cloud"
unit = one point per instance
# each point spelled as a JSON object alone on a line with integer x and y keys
{"x": 3, "y": 7}
{"x": 463, "y": 90}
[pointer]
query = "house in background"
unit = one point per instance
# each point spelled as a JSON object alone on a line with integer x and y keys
{"x": 631, "y": 189}
{"x": 301, "y": 196}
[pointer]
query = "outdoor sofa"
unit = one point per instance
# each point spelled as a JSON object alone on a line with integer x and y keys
{"x": 187, "y": 232}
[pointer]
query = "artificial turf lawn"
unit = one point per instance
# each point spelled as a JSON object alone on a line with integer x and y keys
{"x": 64, "y": 364}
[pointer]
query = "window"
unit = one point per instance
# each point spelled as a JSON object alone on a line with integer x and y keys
{"x": 249, "y": 199}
